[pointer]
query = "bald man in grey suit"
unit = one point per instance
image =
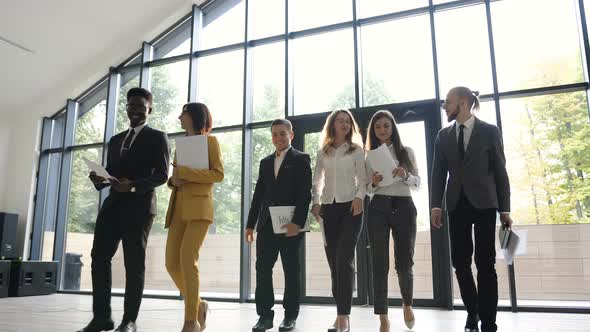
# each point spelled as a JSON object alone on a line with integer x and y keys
{"x": 471, "y": 152}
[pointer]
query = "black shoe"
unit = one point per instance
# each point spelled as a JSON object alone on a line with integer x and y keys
{"x": 263, "y": 324}
{"x": 127, "y": 327}
{"x": 471, "y": 323}
{"x": 288, "y": 324}
{"x": 98, "y": 326}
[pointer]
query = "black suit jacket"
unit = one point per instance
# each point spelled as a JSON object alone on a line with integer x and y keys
{"x": 292, "y": 187}
{"x": 482, "y": 172}
{"x": 146, "y": 165}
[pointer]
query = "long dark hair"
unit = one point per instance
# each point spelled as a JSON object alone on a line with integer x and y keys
{"x": 373, "y": 142}
{"x": 201, "y": 117}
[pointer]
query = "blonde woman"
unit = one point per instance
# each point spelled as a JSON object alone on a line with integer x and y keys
{"x": 339, "y": 187}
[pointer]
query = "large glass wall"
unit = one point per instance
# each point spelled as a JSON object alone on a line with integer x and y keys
{"x": 525, "y": 57}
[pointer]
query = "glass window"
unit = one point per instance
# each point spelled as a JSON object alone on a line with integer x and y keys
{"x": 220, "y": 254}
{"x": 268, "y": 80}
{"x": 223, "y": 24}
{"x": 530, "y": 52}
{"x": 177, "y": 42}
{"x": 463, "y": 53}
{"x": 170, "y": 90}
{"x": 323, "y": 72}
{"x": 128, "y": 80}
{"x": 547, "y": 139}
{"x": 50, "y": 204}
{"x": 305, "y": 14}
{"x": 368, "y": 8}
{"x": 81, "y": 219}
{"x": 266, "y": 18}
{"x": 397, "y": 61}
{"x": 220, "y": 85}
{"x": 91, "y": 119}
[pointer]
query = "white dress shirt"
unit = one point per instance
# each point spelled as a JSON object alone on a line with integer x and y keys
{"x": 466, "y": 131}
{"x": 279, "y": 160}
{"x": 339, "y": 176}
{"x": 137, "y": 130}
{"x": 399, "y": 187}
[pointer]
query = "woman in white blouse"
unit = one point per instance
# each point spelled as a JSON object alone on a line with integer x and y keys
{"x": 341, "y": 178}
{"x": 392, "y": 210}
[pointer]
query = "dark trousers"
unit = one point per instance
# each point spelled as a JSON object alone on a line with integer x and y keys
{"x": 268, "y": 247}
{"x": 397, "y": 215}
{"x": 342, "y": 231}
{"x": 113, "y": 225}
{"x": 483, "y": 299}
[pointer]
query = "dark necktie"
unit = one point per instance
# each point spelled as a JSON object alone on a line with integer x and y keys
{"x": 127, "y": 144}
{"x": 461, "y": 143}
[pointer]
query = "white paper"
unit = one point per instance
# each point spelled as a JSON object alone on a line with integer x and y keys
{"x": 98, "y": 169}
{"x": 382, "y": 162}
{"x": 282, "y": 215}
{"x": 321, "y": 223}
{"x": 192, "y": 151}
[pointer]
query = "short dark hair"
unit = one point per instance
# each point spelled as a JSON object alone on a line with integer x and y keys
{"x": 201, "y": 117}
{"x": 140, "y": 92}
{"x": 282, "y": 122}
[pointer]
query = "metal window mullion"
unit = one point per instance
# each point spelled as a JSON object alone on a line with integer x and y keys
{"x": 196, "y": 27}
{"x": 493, "y": 63}
{"x": 245, "y": 255}
{"x": 39, "y": 209}
{"x": 64, "y": 187}
{"x": 145, "y": 72}
{"x": 110, "y": 121}
{"x": 289, "y": 74}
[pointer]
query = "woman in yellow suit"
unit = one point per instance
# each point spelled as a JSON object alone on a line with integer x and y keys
{"x": 190, "y": 212}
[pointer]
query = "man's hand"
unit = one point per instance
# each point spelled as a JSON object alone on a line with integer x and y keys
{"x": 506, "y": 220}
{"x": 292, "y": 229}
{"x": 123, "y": 185}
{"x": 436, "y": 218}
{"x": 357, "y": 206}
{"x": 96, "y": 180}
{"x": 249, "y": 233}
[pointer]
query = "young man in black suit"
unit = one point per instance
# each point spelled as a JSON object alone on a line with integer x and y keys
{"x": 284, "y": 179}
{"x": 138, "y": 159}
{"x": 471, "y": 152}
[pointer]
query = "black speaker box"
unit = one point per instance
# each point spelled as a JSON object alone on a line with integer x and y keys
{"x": 32, "y": 278}
{"x": 8, "y": 225}
{"x": 4, "y": 278}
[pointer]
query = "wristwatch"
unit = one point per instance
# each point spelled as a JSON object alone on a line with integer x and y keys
{"x": 132, "y": 189}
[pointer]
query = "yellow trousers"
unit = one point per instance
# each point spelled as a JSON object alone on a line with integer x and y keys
{"x": 185, "y": 238}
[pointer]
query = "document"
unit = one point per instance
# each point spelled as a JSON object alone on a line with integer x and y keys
{"x": 98, "y": 169}
{"x": 382, "y": 162}
{"x": 192, "y": 151}
{"x": 282, "y": 215}
{"x": 512, "y": 243}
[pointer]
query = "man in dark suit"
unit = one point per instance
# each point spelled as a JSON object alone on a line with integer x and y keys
{"x": 284, "y": 179}
{"x": 138, "y": 160}
{"x": 472, "y": 153}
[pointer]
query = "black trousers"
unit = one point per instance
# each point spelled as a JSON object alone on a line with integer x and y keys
{"x": 483, "y": 299}
{"x": 268, "y": 247}
{"x": 342, "y": 231}
{"x": 115, "y": 223}
{"x": 397, "y": 215}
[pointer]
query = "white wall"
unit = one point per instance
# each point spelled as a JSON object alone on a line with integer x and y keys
{"x": 5, "y": 133}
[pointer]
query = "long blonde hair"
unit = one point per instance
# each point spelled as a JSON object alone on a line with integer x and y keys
{"x": 353, "y": 138}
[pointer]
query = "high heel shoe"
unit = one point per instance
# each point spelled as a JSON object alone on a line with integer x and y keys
{"x": 333, "y": 327}
{"x": 192, "y": 328}
{"x": 409, "y": 318}
{"x": 347, "y": 329}
{"x": 384, "y": 326}
{"x": 202, "y": 317}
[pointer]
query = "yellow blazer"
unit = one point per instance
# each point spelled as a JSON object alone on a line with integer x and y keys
{"x": 196, "y": 196}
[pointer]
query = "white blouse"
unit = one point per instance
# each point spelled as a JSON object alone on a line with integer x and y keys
{"x": 399, "y": 187}
{"x": 339, "y": 176}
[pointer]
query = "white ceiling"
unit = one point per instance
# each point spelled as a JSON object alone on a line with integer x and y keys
{"x": 74, "y": 44}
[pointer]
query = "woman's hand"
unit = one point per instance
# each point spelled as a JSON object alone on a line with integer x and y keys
{"x": 400, "y": 171}
{"x": 315, "y": 211}
{"x": 357, "y": 206}
{"x": 376, "y": 179}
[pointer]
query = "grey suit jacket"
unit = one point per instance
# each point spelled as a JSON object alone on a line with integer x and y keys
{"x": 482, "y": 174}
